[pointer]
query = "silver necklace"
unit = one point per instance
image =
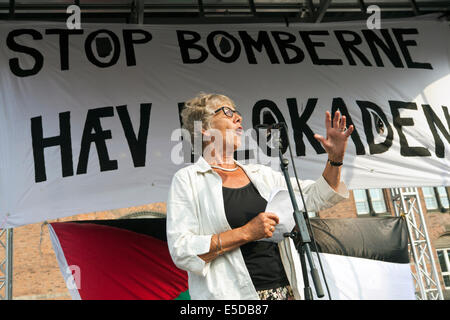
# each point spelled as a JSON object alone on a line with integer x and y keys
{"x": 225, "y": 169}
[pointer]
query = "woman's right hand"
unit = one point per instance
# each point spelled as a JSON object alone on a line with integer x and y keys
{"x": 261, "y": 226}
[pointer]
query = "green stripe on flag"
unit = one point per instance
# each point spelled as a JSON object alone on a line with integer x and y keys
{"x": 184, "y": 296}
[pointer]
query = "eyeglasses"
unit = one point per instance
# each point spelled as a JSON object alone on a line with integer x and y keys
{"x": 228, "y": 111}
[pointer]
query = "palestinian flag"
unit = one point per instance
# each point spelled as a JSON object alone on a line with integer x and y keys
{"x": 362, "y": 258}
{"x": 117, "y": 259}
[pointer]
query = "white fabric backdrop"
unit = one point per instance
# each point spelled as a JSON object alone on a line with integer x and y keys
{"x": 68, "y": 84}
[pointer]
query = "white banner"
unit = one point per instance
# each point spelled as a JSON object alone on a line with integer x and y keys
{"x": 89, "y": 118}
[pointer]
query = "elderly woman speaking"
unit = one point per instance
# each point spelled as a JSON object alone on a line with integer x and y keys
{"x": 216, "y": 208}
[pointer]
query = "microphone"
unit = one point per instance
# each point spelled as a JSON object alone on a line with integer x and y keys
{"x": 269, "y": 122}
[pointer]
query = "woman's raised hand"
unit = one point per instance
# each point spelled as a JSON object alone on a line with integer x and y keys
{"x": 337, "y": 136}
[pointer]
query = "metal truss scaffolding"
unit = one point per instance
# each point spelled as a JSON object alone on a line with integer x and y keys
{"x": 406, "y": 203}
{"x": 169, "y": 11}
{"x": 6, "y": 251}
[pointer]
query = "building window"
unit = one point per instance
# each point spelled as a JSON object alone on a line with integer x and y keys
{"x": 377, "y": 199}
{"x": 436, "y": 198}
{"x": 370, "y": 201}
{"x": 443, "y": 196}
{"x": 362, "y": 205}
{"x": 444, "y": 261}
{"x": 430, "y": 198}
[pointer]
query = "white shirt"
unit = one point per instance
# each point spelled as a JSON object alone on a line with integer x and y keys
{"x": 195, "y": 211}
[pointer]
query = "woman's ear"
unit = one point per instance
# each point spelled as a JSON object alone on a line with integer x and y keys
{"x": 209, "y": 135}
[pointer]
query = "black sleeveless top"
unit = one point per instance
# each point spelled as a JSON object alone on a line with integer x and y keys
{"x": 262, "y": 258}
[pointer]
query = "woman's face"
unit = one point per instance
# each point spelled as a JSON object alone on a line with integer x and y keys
{"x": 226, "y": 125}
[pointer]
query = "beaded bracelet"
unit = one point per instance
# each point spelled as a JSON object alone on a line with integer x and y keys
{"x": 335, "y": 164}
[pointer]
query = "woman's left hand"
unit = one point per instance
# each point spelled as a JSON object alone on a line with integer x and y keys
{"x": 337, "y": 136}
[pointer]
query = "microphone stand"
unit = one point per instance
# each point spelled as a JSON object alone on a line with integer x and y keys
{"x": 300, "y": 234}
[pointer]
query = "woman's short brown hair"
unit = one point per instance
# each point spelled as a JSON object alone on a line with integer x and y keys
{"x": 201, "y": 108}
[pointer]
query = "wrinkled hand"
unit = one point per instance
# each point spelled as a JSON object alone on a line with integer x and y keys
{"x": 336, "y": 141}
{"x": 261, "y": 226}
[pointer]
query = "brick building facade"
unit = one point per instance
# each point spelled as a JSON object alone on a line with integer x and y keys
{"x": 36, "y": 274}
